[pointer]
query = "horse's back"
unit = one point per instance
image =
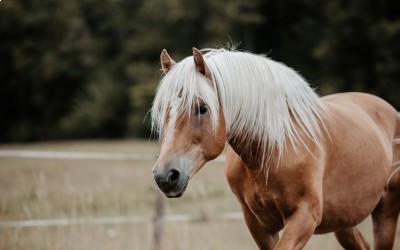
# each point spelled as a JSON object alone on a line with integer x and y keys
{"x": 384, "y": 117}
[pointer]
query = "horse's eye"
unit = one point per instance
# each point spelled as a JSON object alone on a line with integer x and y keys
{"x": 201, "y": 109}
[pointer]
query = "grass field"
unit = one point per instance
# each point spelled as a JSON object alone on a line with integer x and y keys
{"x": 33, "y": 189}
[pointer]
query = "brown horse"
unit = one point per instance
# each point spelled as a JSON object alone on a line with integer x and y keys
{"x": 296, "y": 162}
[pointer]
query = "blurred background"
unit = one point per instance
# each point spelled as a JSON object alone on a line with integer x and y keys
{"x": 80, "y": 76}
{"x": 89, "y": 69}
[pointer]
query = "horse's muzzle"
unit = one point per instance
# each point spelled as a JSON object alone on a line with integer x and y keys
{"x": 172, "y": 181}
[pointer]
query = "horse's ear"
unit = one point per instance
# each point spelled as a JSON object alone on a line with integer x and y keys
{"x": 200, "y": 64}
{"x": 166, "y": 61}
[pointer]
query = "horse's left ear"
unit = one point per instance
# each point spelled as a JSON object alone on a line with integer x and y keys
{"x": 166, "y": 61}
{"x": 200, "y": 64}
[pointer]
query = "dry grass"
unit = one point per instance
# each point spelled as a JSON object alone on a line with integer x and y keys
{"x": 49, "y": 188}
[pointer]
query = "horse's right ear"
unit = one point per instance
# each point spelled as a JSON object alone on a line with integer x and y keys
{"x": 166, "y": 61}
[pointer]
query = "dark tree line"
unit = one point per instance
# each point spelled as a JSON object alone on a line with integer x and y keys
{"x": 85, "y": 69}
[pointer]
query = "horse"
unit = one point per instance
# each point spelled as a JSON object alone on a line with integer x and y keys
{"x": 299, "y": 164}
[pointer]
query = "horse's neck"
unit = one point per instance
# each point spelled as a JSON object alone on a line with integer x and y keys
{"x": 252, "y": 153}
{"x": 258, "y": 155}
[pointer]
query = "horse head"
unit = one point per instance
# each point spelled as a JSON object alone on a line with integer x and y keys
{"x": 189, "y": 135}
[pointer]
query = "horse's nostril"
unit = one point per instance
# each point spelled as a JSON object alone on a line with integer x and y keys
{"x": 173, "y": 177}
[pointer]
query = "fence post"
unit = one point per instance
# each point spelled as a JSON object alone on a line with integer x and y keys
{"x": 158, "y": 220}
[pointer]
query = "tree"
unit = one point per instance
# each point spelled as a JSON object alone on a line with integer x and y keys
{"x": 83, "y": 69}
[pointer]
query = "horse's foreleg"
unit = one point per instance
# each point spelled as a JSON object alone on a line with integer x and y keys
{"x": 299, "y": 227}
{"x": 265, "y": 239}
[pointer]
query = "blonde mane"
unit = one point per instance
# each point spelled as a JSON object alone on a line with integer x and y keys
{"x": 261, "y": 99}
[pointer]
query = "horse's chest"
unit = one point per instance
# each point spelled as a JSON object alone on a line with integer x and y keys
{"x": 263, "y": 207}
{"x": 257, "y": 201}
{"x": 260, "y": 204}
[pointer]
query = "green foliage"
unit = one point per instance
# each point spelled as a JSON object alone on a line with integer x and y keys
{"x": 75, "y": 69}
{"x": 97, "y": 111}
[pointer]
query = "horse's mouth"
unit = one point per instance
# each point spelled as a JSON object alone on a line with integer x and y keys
{"x": 175, "y": 196}
{"x": 177, "y": 193}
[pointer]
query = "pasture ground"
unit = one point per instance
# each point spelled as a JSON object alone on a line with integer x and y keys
{"x": 57, "y": 188}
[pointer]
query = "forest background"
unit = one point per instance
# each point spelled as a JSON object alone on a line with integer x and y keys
{"x": 89, "y": 69}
